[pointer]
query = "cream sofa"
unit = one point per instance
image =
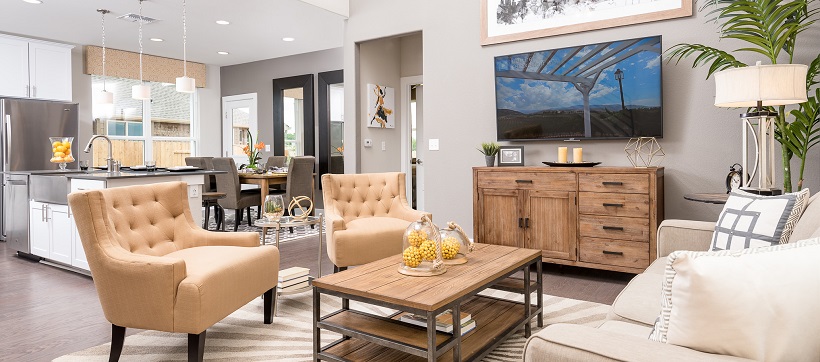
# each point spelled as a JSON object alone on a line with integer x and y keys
{"x": 623, "y": 336}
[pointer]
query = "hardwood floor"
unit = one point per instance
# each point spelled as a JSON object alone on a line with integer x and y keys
{"x": 47, "y": 312}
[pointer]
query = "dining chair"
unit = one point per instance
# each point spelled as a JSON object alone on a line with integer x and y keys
{"x": 236, "y": 198}
{"x": 276, "y": 161}
{"x": 210, "y": 196}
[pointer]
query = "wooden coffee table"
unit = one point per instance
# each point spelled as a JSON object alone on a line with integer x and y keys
{"x": 368, "y": 337}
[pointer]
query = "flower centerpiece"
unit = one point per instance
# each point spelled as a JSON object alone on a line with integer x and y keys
{"x": 252, "y": 150}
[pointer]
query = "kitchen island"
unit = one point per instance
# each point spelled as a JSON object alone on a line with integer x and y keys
{"x": 39, "y": 224}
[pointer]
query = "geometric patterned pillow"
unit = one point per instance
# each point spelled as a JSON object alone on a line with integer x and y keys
{"x": 751, "y": 221}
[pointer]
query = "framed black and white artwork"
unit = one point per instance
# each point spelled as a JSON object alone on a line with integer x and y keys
{"x": 511, "y": 156}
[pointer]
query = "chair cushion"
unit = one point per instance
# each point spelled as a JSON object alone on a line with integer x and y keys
{"x": 630, "y": 329}
{"x": 809, "y": 224}
{"x": 640, "y": 301}
{"x": 368, "y": 239}
{"x": 657, "y": 267}
{"x": 220, "y": 280}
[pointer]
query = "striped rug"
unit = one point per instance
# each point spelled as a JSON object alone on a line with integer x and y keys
{"x": 243, "y": 337}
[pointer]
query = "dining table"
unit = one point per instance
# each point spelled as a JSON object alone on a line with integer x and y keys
{"x": 265, "y": 180}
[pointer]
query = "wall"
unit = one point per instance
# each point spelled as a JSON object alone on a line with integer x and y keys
{"x": 700, "y": 140}
{"x": 257, "y": 77}
{"x": 210, "y": 114}
{"x": 81, "y": 93}
{"x": 380, "y": 64}
{"x": 412, "y": 59}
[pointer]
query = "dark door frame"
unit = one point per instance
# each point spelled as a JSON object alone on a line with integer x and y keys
{"x": 279, "y": 85}
{"x": 326, "y": 79}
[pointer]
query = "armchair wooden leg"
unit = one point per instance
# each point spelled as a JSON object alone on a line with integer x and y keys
{"x": 196, "y": 347}
{"x": 270, "y": 304}
{"x": 117, "y": 340}
{"x": 237, "y": 219}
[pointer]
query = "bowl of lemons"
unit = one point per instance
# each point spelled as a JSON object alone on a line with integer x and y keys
{"x": 61, "y": 150}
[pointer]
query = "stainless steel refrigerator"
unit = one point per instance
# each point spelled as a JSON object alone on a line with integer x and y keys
{"x": 24, "y": 146}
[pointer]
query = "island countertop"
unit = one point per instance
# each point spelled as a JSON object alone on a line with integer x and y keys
{"x": 105, "y": 175}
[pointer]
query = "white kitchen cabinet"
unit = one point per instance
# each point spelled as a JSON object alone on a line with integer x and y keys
{"x": 34, "y": 69}
{"x": 78, "y": 258}
{"x": 62, "y": 233}
{"x": 53, "y": 235}
{"x": 38, "y": 230}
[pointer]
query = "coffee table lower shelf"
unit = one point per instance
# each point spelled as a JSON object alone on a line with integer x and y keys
{"x": 495, "y": 318}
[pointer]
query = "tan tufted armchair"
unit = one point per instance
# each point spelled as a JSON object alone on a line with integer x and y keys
{"x": 155, "y": 269}
{"x": 366, "y": 216}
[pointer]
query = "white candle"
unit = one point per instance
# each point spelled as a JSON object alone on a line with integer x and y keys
{"x": 577, "y": 155}
{"x": 562, "y": 155}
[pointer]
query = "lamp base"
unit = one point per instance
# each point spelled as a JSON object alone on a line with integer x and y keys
{"x": 762, "y": 192}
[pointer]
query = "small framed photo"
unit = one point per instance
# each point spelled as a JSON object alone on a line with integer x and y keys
{"x": 511, "y": 156}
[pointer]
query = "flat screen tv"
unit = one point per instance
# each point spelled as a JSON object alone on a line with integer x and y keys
{"x": 607, "y": 90}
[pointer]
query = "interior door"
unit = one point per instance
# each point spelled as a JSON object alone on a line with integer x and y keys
{"x": 238, "y": 118}
{"x": 420, "y": 148}
{"x": 13, "y": 68}
{"x": 500, "y": 220}
{"x": 550, "y": 222}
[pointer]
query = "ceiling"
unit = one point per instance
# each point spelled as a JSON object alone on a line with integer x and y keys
{"x": 255, "y": 32}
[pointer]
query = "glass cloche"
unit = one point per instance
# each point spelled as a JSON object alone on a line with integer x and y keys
{"x": 454, "y": 244}
{"x": 61, "y": 150}
{"x": 421, "y": 249}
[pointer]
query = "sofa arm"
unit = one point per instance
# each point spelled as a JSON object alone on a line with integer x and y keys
{"x": 572, "y": 342}
{"x": 684, "y": 235}
{"x": 200, "y": 237}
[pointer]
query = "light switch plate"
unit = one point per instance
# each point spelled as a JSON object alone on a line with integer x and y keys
{"x": 433, "y": 144}
{"x": 267, "y": 148}
{"x": 384, "y": 146}
{"x": 193, "y": 191}
{"x": 368, "y": 142}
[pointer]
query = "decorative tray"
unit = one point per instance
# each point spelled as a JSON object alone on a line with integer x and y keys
{"x": 570, "y": 164}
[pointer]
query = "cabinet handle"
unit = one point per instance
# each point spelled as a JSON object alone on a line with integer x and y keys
{"x": 34, "y": 94}
{"x": 520, "y": 222}
{"x": 526, "y": 223}
{"x": 523, "y": 181}
{"x": 45, "y": 211}
{"x": 607, "y": 252}
{"x": 618, "y": 228}
{"x": 613, "y": 205}
{"x": 612, "y": 183}
{"x": 27, "y": 92}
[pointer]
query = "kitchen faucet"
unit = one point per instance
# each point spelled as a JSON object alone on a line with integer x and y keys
{"x": 110, "y": 159}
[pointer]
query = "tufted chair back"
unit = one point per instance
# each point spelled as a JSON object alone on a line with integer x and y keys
{"x": 365, "y": 195}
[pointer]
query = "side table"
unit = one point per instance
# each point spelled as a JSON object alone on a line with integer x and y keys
{"x": 707, "y": 198}
{"x": 288, "y": 222}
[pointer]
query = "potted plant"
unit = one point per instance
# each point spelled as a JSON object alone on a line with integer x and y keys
{"x": 489, "y": 149}
{"x": 770, "y": 28}
{"x": 252, "y": 151}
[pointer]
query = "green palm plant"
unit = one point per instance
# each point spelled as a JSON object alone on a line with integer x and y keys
{"x": 769, "y": 28}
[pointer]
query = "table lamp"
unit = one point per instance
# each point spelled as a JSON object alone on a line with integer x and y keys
{"x": 756, "y": 87}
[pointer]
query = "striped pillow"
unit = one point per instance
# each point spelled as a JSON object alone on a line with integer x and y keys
{"x": 751, "y": 221}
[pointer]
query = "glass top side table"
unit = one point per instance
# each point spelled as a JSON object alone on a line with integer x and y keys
{"x": 287, "y": 222}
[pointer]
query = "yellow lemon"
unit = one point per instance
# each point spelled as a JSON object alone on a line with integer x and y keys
{"x": 56, "y": 143}
{"x": 60, "y": 148}
{"x": 59, "y": 154}
{"x": 66, "y": 144}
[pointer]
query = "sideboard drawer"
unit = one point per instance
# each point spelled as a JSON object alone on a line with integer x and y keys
{"x": 614, "y": 182}
{"x": 553, "y": 181}
{"x": 613, "y": 204}
{"x": 613, "y": 227}
{"x": 614, "y": 252}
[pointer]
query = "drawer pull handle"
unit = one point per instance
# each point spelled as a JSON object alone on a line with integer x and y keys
{"x": 613, "y": 205}
{"x": 523, "y": 181}
{"x": 526, "y": 223}
{"x": 607, "y": 252}
{"x": 618, "y": 228}
{"x": 520, "y": 222}
{"x": 612, "y": 183}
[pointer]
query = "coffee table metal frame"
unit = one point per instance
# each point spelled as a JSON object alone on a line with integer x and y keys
{"x": 431, "y": 353}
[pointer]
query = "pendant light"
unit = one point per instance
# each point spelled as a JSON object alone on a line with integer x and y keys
{"x": 141, "y": 91}
{"x": 185, "y": 84}
{"x": 104, "y": 97}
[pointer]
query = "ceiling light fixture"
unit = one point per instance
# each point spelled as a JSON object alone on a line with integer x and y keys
{"x": 105, "y": 97}
{"x": 185, "y": 84}
{"x": 288, "y": 39}
{"x": 141, "y": 91}
{"x": 157, "y": 39}
{"x": 223, "y": 22}
{"x": 33, "y": 1}
{"x": 222, "y": 53}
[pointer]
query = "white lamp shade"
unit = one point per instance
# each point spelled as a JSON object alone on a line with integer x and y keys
{"x": 141, "y": 92}
{"x": 774, "y": 85}
{"x": 105, "y": 97}
{"x": 186, "y": 85}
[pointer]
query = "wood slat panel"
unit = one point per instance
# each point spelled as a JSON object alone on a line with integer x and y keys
{"x": 553, "y": 181}
{"x": 129, "y": 153}
{"x": 633, "y": 254}
{"x": 501, "y": 217}
{"x": 386, "y": 328}
{"x": 601, "y": 203}
{"x": 613, "y": 182}
{"x": 552, "y": 223}
{"x": 599, "y": 227}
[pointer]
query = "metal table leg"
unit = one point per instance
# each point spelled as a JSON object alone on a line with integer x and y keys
{"x": 321, "y": 240}
{"x": 431, "y": 337}
{"x": 539, "y": 281}
{"x": 527, "y": 307}
{"x": 316, "y": 330}
{"x": 456, "y": 312}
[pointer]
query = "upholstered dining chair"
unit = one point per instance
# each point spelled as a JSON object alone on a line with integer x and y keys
{"x": 210, "y": 197}
{"x": 276, "y": 161}
{"x": 236, "y": 199}
{"x": 365, "y": 216}
{"x": 153, "y": 268}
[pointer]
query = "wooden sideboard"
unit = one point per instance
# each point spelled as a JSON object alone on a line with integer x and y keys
{"x": 595, "y": 217}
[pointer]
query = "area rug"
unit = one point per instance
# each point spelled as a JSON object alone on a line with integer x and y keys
{"x": 297, "y": 233}
{"x": 243, "y": 337}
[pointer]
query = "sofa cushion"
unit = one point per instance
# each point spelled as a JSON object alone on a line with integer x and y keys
{"x": 750, "y": 221}
{"x": 640, "y": 301}
{"x": 630, "y": 329}
{"x": 757, "y": 304}
{"x": 369, "y": 238}
{"x": 657, "y": 267}
{"x": 809, "y": 225}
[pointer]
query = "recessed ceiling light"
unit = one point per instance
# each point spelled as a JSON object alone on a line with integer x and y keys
{"x": 288, "y": 39}
{"x": 223, "y": 53}
{"x": 33, "y": 1}
{"x": 156, "y": 39}
{"x": 223, "y": 22}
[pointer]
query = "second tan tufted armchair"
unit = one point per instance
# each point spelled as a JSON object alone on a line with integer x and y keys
{"x": 155, "y": 269}
{"x": 366, "y": 216}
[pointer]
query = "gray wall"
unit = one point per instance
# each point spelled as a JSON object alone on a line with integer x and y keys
{"x": 700, "y": 140}
{"x": 210, "y": 114}
{"x": 257, "y": 77}
{"x": 81, "y": 93}
{"x": 381, "y": 65}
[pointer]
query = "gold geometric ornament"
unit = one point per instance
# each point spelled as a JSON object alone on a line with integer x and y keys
{"x": 297, "y": 203}
{"x": 644, "y": 152}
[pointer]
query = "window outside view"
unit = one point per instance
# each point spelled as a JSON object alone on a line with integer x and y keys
{"x": 294, "y": 119}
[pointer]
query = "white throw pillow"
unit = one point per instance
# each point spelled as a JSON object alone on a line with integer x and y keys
{"x": 751, "y": 221}
{"x": 759, "y": 303}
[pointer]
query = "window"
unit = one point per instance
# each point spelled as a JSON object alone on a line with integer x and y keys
{"x": 161, "y": 129}
{"x": 294, "y": 119}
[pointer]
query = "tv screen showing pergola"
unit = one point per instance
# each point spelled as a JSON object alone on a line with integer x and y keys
{"x": 607, "y": 90}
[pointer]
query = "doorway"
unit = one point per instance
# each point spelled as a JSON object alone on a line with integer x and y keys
{"x": 238, "y": 121}
{"x": 413, "y": 152}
